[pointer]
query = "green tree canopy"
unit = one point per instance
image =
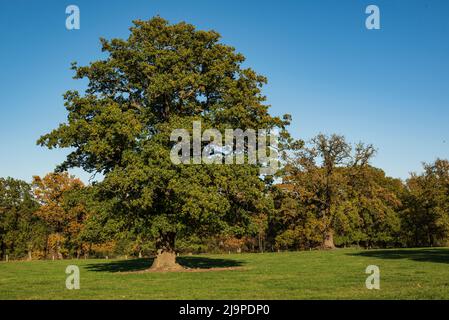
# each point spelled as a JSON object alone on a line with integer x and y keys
{"x": 426, "y": 206}
{"x": 163, "y": 77}
{"x": 20, "y": 230}
{"x": 317, "y": 176}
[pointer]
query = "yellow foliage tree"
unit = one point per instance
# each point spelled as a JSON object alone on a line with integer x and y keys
{"x": 63, "y": 216}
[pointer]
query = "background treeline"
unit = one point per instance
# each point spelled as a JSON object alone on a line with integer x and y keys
{"x": 326, "y": 195}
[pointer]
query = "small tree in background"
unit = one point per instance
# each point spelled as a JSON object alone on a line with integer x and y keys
{"x": 21, "y": 232}
{"x": 426, "y": 206}
{"x": 317, "y": 177}
{"x": 369, "y": 215}
{"x": 63, "y": 211}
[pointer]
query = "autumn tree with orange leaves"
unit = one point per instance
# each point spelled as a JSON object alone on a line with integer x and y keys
{"x": 62, "y": 209}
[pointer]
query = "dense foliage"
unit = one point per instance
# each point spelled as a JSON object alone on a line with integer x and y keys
{"x": 58, "y": 217}
{"x": 164, "y": 77}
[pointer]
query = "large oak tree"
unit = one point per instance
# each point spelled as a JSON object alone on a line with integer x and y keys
{"x": 163, "y": 77}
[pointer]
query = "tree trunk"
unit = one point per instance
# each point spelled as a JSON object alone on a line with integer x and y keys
{"x": 328, "y": 242}
{"x": 166, "y": 256}
{"x": 58, "y": 250}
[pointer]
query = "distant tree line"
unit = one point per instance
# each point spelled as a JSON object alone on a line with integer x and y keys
{"x": 327, "y": 195}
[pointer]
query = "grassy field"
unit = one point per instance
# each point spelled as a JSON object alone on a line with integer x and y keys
{"x": 339, "y": 274}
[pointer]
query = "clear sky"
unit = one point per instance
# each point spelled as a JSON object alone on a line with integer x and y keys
{"x": 389, "y": 87}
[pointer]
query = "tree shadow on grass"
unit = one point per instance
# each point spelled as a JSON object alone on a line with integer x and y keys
{"x": 121, "y": 265}
{"x": 440, "y": 255}
{"x": 207, "y": 263}
{"x": 143, "y": 264}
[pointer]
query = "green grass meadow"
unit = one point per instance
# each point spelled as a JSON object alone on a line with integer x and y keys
{"x": 338, "y": 274}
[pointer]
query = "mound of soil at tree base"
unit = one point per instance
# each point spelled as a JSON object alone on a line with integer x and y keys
{"x": 165, "y": 261}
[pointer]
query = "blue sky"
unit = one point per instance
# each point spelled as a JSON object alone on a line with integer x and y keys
{"x": 389, "y": 87}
